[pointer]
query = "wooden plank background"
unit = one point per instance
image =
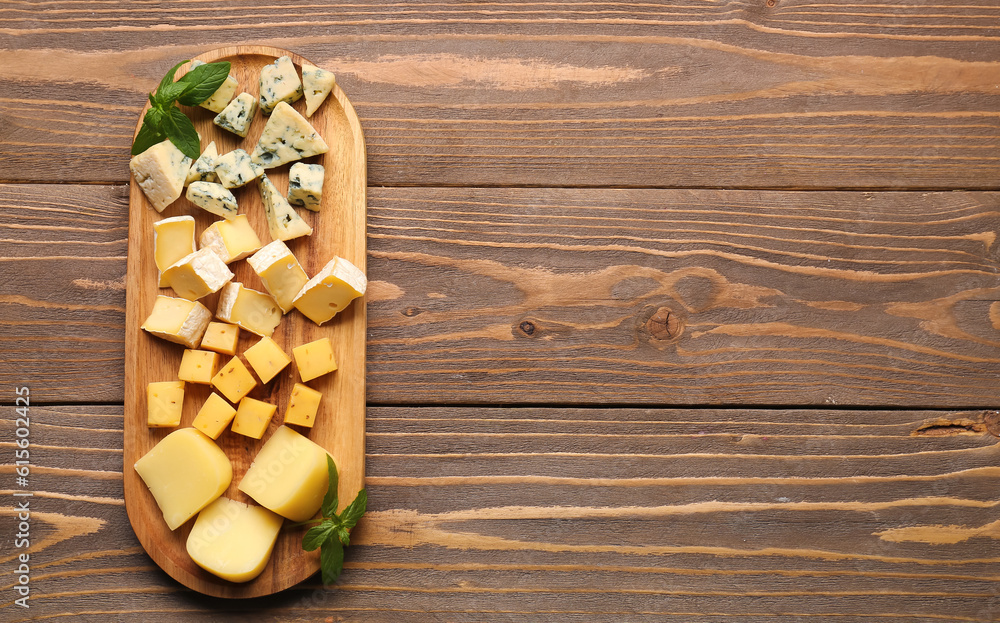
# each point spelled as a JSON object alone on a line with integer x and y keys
{"x": 679, "y": 311}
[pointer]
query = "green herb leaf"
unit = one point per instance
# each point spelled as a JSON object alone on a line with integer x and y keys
{"x": 330, "y": 500}
{"x": 331, "y": 561}
{"x": 202, "y": 81}
{"x": 181, "y": 132}
{"x": 146, "y": 138}
{"x": 318, "y": 535}
{"x": 168, "y": 79}
{"x": 344, "y": 536}
{"x": 353, "y": 513}
{"x": 333, "y": 533}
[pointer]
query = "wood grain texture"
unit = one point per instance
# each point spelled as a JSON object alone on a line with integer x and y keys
{"x": 487, "y": 514}
{"x": 682, "y": 94}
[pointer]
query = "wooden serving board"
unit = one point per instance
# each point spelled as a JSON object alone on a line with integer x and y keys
{"x": 338, "y": 229}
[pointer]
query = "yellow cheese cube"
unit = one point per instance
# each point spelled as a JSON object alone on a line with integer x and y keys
{"x": 231, "y": 240}
{"x": 198, "y": 274}
{"x": 173, "y": 238}
{"x": 178, "y": 320}
{"x": 252, "y": 417}
{"x": 280, "y": 272}
{"x": 252, "y": 310}
{"x": 289, "y": 475}
{"x": 314, "y": 359}
{"x": 214, "y": 416}
{"x": 267, "y": 359}
{"x": 303, "y": 406}
{"x": 331, "y": 290}
{"x": 221, "y": 337}
{"x": 233, "y": 540}
{"x": 164, "y": 404}
{"x": 234, "y": 381}
{"x": 185, "y": 472}
{"x": 199, "y": 366}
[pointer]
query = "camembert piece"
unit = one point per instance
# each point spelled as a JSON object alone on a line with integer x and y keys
{"x": 214, "y": 416}
{"x": 314, "y": 359}
{"x": 233, "y": 540}
{"x": 331, "y": 290}
{"x": 267, "y": 359}
{"x": 199, "y": 274}
{"x": 236, "y": 117}
{"x": 305, "y": 185}
{"x": 218, "y": 100}
{"x": 303, "y": 406}
{"x": 252, "y": 310}
{"x": 221, "y": 337}
{"x": 178, "y": 320}
{"x": 289, "y": 475}
{"x": 283, "y": 222}
{"x": 185, "y": 472}
{"x": 164, "y": 404}
{"x": 235, "y": 169}
{"x": 252, "y": 417}
{"x": 203, "y": 169}
{"x": 173, "y": 238}
{"x": 234, "y": 381}
{"x": 279, "y": 82}
{"x": 199, "y": 366}
{"x": 316, "y": 85}
{"x": 214, "y": 198}
{"x": 160, "y": 172}
{"x": 232, "y": 239}
{"x": 280, "y": 272}
{"x": 287, "y": 137}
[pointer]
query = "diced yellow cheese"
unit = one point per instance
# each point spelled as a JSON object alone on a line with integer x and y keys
{"x": 331, "y": 290}
{"x": 160, "y": 172}
{"x": 267, "y": 359}
{"x": 252, "y": 310}
{"x": 231, "y": 239}
{"x": 233, "y": 540}
{"x": 199, "y": 366}
{"x": 280, "y": 272}
{"x": 252, "y": 417}
{"x": 164, "y": 404}
{"x": 178, "y": 320}
{"x": 289, "y": 475}
{"x": 185, "y": 472}
{"x": 315, "y": 359}
{"x": 199, "y": 274}
{"x": 214, "y": 416}
{"x": 303, "y": 406}
{"x": 173, "y": 238}
{"x": 234, "y": 381}
{"x": 221, "y": 337}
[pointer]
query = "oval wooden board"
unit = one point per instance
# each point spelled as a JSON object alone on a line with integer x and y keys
{"x": 338, "y": 229}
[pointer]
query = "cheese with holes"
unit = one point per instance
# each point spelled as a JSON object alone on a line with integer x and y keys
{"x": 164, "y": 404}
{"x": 214, "y": 198}
{"x": 235, "y": 169}
{"x": 331, "y": 290}
{"x": 218, "y": 100}
{"x": 266, "y": 358}
{"x": 185, "y": 472}
{"x": 287, "y": 137}
{"x": 173, "y": 238}
{"x": 237, "y": 115}
{"x": 279, "y": 82}
{"x": 160, "y": 172}
{"x": 231, "y": 240}
{"x": 214, "y": 416}
{"x": 305, "y": 185}
{"x": 198, "y": 366}
{"x": 303, "y": 406}
{"x": 234, "y": 381}
{"x": 314, "y": 359}
{"x": 233, "y": 540}
{"x": 289, "y": 475}
{"x": 283, "y": 221}
{"x": 252, "y": 417}
{"x": 316, "y": 85}
{"x": 178, "y": 320}
{"x": 203, "y": 169}
{"x": 280, "y": 272}
{"x": 252, "y": 310}
{"x": 198, "y": 274}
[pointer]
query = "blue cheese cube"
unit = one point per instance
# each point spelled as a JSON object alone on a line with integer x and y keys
{"x": 203, "y": 169}
{"x": 222, "y": 96}
{"x": 282, "y": 220}
{"x": 214, "y": 198}
{"x": 287, "y": 137}
{"x": 236, "y": 169}
{"x": 279, "y": 82}
{"x": 316, "y": 85}
{"x": 236, "y": 117}
{"x": 305, "y": 185}
{"x": 160, "y": 172}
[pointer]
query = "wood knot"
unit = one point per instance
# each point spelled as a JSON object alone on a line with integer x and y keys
{"x": 412, "y": 311}
{"x": 527, "y": 327}
{"x": 664, "y": 324}
{"x": 771, "y": 3}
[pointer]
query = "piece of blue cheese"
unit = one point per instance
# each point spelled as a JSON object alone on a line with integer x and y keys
{"x": 316, "y": 85}
{"x": 236, "y": 169}
{"x": 279, "y": 82}
{"x": 214, "y": 198}
{"x": 217, "y": 101}
{"x": 203, "y": 169}
{"x": 160, "y": 172}
{"x": 236, "y": 117}
{"x": 287, "y": 137}
{"x": 305, "y": 185}
{"x": 282, "y": 220}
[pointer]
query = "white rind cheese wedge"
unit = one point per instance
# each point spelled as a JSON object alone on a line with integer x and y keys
{"x": 233, "y": 540}
{"x": 305, "y": 185}
{"x": 316, "y": 85}
{"x": 287, "y": 137}
{"x": 160, "y": 172}
{"x": 280, "y": 272}
{"x": 236, "y": 169}
{"x": 173, "y": 238}
{"x": 283, "y": 222}
{"x": 218, "y": 100}
{"x": 231, "y": 240}
{"x": 237, "y": 116}
{"x": 249, "y": 309}
{"x": 331, "y": 290}
{"x": 178, "y": 320}
{"x": 279, "y": 82}
{"x": 199, "y": 274}
{"x": 203, "y": 169}
{"x": 214, "y": 198}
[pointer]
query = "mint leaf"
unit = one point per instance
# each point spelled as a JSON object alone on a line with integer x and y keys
{"x": 333, "y": 533}
{"x": 181, "y": 132}
{"x": 318, "y": 535}
{"x": 331, "y": 561}
{"x": 330, "y": 500}
{"x": 146, "y": 138}
{"x": 202, "y": 81}
{"x": 353, "y": 513}
{"x": 344, "y": 536}
{"x": 168, "y": 79}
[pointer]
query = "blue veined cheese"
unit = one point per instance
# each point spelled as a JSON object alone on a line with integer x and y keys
{"x": 218, "y": 100}
{"x": 203, "y": 169}
{"x": 282, "y": 221}
{"x": 214, "y": 198}
{"x": 287, "y": 137}
{"x": 305, "y": 185}
{"x": 160, "y": 172}
{"x": 236, "y": 117}
{"x": 279, "y": 82}
{"x": 236, "y": 169}
{"x": 316, "y": 85}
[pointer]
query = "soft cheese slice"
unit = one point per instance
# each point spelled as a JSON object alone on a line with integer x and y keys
{"x": 203, "y": 169}
{"x": 233, "y": 540}
{"x": 238, "y": 115}
{"x": 231, "y": 240}
{"x": 305, "y": 185}
{"x": 214, "y": 198}
{"x": 198, "y": 274}
{"x": 160, "y": 172}
{"x": 316, "y": 84}
{"x": 283, "y": 222}
{"x": 289, "y": 475}
{"x": 178, "y": 320}
{"x": 252, "y": 310}
{"x": 280, "y": 272}
{"x": 279, "y": 82}
{"x": 218, "y": 100}
{"x": 287, "y": 137}
{"x": 173, "y": 238}
{"x": 331, "y": 290}
{"x": 236, "y": 169}
{"x": 185, "y": 472}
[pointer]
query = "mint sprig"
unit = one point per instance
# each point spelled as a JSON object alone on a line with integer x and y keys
{"x": 164, "y": 120}
{"x": 332, "y": 534}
